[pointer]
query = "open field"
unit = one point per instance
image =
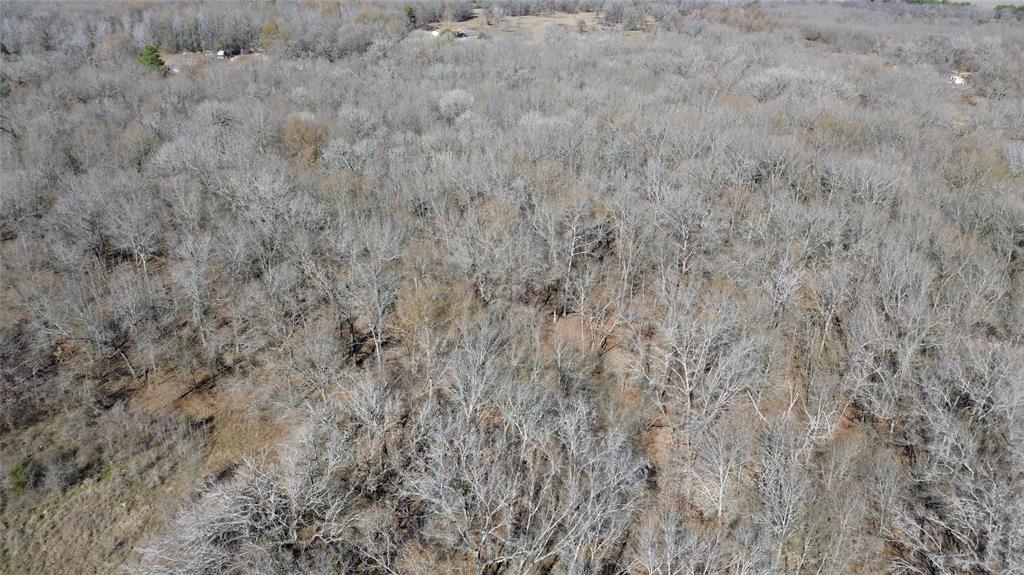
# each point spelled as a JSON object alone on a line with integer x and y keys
{"x": 572, "y": 287}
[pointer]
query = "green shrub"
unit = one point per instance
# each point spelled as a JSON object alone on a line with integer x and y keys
{"x": 1010, "y": 10}
{"x": 410, "y": 15}
{"x": 150, "y": 56}
{"x": 18, "y": 479}
{"x": 24, "y": 475}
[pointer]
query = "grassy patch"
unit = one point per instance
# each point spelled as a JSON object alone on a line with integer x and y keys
{"x": 24, "y": 476}
{"x": 1016, "y": 11}
{"x": 938, "y": 2}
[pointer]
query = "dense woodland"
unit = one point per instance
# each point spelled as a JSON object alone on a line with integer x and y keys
{"x": 679, "y": 288}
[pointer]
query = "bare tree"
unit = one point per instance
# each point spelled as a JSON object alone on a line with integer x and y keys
{"x": 665, "y": 545}
{"x": 374, "y": 281}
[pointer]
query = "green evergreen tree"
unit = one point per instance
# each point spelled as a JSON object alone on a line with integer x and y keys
{"x": 150, "y": 56}
{"x": 410, "y": 14}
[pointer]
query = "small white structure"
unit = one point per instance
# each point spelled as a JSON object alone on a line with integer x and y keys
{"x": 957, "y": 80}
{"x": 449, "y": 33}
{"x": 221, "y": 54}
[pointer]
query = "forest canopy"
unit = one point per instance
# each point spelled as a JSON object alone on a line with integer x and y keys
{"x": 511, "y": 287}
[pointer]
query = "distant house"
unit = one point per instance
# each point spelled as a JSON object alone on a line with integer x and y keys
{"x": 958, "y": 78}
{"x": 449, "y": 33}
{"x": 230, "y": 52}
